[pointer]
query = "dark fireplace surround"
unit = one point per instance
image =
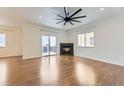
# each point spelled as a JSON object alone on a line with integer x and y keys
{"x": 66, "y": 49}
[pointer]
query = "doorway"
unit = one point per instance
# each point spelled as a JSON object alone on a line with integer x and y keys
{"x": 48, "y": 45}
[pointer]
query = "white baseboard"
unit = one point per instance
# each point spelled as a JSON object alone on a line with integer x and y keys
{"x": 31, "y": 57}
{"x": 106, "y": 61}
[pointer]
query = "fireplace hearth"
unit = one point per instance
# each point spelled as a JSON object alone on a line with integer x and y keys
{"x": 66, "y": 48}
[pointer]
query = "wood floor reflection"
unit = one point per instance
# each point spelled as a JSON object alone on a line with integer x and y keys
{"x": 59, "y": 70}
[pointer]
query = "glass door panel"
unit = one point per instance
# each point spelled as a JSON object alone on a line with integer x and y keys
{"x": 45, "y": 45}
{"x": 52, "y": 45}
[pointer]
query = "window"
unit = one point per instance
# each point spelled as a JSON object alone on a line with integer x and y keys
{"x": 2, "y": 40}
{"x": 90, "y": 39}
{"x": 81, "y": 40}
{"x": 86, "y": 40}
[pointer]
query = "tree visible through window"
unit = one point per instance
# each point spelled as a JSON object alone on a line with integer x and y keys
{"x": 2, "y": 40}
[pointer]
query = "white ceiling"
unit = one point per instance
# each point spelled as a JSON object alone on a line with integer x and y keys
{"x": 31, "y": 15}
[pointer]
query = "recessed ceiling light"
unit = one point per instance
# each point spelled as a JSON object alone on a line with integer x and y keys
{"x": 101, "y": 9}
{"x": 40, "y": 17}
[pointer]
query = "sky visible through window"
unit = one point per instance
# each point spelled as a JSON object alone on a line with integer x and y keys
{"x": 45, "y": 40}
{"x": 52, "y": 41}
{"x": 2, "y": 40}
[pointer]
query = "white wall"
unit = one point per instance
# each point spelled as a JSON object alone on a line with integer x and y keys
{"x": 109, "y": 36}
{"x": 13, "y": 41}
{"x": 32, "y": 39}
{"x": 109, "y": 44}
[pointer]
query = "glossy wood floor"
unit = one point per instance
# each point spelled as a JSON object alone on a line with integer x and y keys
{"x": 59, "y": 70}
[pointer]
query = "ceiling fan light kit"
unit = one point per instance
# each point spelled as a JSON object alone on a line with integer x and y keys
{"x": 69, "y": 18}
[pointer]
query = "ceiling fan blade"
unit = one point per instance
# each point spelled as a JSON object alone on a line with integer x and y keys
{"x": 76, "y": 12}
{"x": 71, "y": 23}
{"x": 60, "y": 22}
{"x": 76, "y": 21}
{"x": 60, "y": 16}
{"x": 56, "y": 19}
{"x": 68, "y": 14}
{"x": 65, "y": 23}
{"x": 78, "y": 17}
{"x": 65, "y": 10}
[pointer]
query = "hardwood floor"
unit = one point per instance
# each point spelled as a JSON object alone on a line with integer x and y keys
{"x": 59, "y": 70}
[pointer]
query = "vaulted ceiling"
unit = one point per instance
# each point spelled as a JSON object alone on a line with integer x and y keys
{"x": 46, "y": 15}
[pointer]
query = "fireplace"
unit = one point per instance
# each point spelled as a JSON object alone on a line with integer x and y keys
{"x": 66, "y": 48}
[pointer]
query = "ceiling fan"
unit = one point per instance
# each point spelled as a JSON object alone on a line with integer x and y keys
{"x": 69, "y": 18}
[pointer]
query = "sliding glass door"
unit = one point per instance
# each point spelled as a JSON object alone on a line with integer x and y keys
{"x": 48, "y": 45}
{"x": 52, "y": 45}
